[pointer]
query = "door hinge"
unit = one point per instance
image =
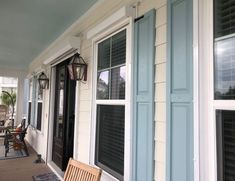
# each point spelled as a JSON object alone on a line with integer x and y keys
{"x": 137, "y": 19}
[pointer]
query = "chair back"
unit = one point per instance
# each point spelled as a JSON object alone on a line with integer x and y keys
{"x": 23, "y": 133}
{"x": 22, "y": 124}
{"x": 77, "y": 171}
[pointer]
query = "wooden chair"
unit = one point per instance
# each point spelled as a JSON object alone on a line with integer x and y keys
{"x": 7, "y": 125}
{"x": 15, "y": 140}
{"x": 77, "y": 171}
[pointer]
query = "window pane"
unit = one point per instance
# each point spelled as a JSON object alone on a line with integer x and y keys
{"x": 58, "y": 127}
{"x": 110, "y": 139}
{"x": 104, "y": 54}
{"x": 103, "y": 85}
{"x": 224, "y": 64}
{"x": 31, "y": 89}
{"x": 225, "y": 145}
{"x": 29, "y": 112}
{"x": 224, "y": 17}
{"x": 34, "y": 101}
{"x": 118, "y": 80}
{"x": 39, "y": 116}
{"x": 119, "y": 48}
{"x": 225, "y": 69}
{"x": 39, "y": 90}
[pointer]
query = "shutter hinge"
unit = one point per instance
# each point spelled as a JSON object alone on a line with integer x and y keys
{"x": 137, "y": 19}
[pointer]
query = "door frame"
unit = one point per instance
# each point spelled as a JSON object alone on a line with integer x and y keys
{"x": 69, "y": 87}
{"x": 51, "y": 115}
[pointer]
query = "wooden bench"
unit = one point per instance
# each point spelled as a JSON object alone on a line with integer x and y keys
{"x": 77, "y": 171}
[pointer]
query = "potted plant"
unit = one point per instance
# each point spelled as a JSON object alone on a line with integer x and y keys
{"x": 9, "y": 99}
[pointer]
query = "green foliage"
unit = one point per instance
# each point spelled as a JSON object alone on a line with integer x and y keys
{"x": 6, "y": 98}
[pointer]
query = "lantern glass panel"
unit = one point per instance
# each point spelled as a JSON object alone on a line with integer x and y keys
{"x": 78, "y": 72}
{"x": 70, "y": 69}
{"x": 42, "y": 84}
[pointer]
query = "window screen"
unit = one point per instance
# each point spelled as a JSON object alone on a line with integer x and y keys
{"x": 110, "y": 139}
{"x": 225, "y": 145}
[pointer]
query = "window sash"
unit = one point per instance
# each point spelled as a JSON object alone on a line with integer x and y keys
{"x": 101, "y": 137}
{"x": 222, "y": 102}
{"x": 107, "y": 62}
{"x": 114, "y": 102}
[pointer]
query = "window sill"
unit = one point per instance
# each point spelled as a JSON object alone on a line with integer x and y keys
{"x": 107, "y": 177}
{"x": 36, "y": 130}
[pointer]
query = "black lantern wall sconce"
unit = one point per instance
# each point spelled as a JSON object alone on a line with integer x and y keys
{"x": 43, "y": 81}
{"x": 77, "y": 68}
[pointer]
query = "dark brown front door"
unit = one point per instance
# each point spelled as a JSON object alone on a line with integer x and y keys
{"x": 63, "y": 134}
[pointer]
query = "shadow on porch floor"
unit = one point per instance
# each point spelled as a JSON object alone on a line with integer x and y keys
{"x": 21, "y": 168}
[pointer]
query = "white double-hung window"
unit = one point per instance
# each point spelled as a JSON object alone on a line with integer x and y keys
{"x": 217, "y": 135}
{"x": 35, "y": 103}
{"x": 111, "y": 105}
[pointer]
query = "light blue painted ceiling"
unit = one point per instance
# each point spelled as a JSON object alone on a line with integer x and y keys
{"x": 27, "y": 27}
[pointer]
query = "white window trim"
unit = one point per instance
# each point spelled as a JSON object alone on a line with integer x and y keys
{"x": 128, "y": 25}
{"x": 29, "y": 99}
{"x": 51, "y": 115}
{"x": 123, "y": 13}
{"x": 207, "y": 137}
{"x": 196, "y": 92}
{"x": 33, "y": 100}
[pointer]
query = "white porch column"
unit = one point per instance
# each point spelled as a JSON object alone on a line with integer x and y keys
{"x": 20, "y": 74}
{"x": 20, "y": 100}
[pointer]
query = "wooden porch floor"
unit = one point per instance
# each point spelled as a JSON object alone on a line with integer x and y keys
{"x": 22, "y": 169}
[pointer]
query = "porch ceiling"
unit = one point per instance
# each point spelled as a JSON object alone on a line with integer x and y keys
{"x": 27, "y": 27}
